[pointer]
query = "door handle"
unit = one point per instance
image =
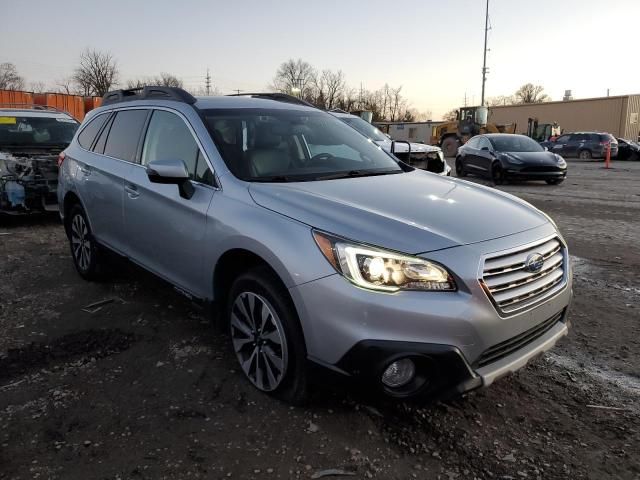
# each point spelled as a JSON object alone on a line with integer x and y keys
{"x": 85, "y": 170}
{"x": 131, "y": 190}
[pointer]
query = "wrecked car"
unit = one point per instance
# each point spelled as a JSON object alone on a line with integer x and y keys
{"x": 31, "y": 138}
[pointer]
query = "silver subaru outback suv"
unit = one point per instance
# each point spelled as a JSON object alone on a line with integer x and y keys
{"x": 316, "y": 246}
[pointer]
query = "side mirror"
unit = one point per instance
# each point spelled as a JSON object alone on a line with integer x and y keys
{"x": 171, "y": 172}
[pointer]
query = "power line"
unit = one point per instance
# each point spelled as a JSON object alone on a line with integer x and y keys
{"x": 207, "y": 83}
{"x": 484, "y": 62}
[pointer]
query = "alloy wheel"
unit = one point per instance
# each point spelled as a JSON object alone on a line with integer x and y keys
{"x": 81, "y": 242}
{"x": 259, "y": 341}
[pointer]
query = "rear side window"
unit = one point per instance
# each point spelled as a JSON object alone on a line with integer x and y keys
{"x": 607, "y": 137}
{"x": 169, "y": 138}
{"x": 124, "y": 134}
{"x": 88, "y": 133}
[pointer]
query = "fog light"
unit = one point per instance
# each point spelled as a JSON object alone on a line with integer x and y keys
{"x": 399, "y": 373}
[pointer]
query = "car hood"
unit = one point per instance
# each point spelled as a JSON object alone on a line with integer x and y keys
{"x": 533, "y": 158}
{"x": 401, "y": 147}
{"x": 413, "y": 212}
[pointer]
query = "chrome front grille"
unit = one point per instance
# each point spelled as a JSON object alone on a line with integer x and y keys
{"x": 513, "y": 285}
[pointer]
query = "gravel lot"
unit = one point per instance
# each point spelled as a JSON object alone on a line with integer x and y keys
{"x": 143, "y": 388}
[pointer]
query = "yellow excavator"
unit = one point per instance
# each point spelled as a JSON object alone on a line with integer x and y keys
{"x": 470, "y": 121}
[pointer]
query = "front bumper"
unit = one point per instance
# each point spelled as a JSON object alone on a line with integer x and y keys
{"x": 357, "y": 332}
{"x": 525, "y": 174}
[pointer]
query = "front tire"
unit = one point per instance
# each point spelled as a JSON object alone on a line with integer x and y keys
{"x": 84, "y": 249}
{"x": 585, "y": 155}
{"x": 266, "y": 336}
{"x": 497, "y": 174}
{"x": 460, "y": 171}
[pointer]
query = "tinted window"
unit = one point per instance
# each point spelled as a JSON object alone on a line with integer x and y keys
{"x": 99, "y": 146}
{"x": 366, "y": 128}
{"x": 169, "y": 138}
{"x": 124, "y": 135}
{"x": 36, "y": 131}
{"x": 473, "y": 143}
{"x": 483, "y": 143}
{"x": 293, "y": 145}
{"x": 516, "y": 143}
{"x": 89, "y": 132}
{"x": 563, "y": 139}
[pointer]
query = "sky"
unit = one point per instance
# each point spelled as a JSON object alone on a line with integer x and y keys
{"x": 433, "y": 48}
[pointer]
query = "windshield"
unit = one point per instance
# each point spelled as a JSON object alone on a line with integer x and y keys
{"x": 515, "y": 143}
{"x": 293, "y": 145}
{"x": 365, "y": 128}
{"x": 34, "y": 132}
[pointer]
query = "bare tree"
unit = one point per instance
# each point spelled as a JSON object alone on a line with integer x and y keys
{"x": 530, "y": 93}
{"x": 97, "y": 72}
{"x": 37, "y": 87}
{"x": 501, "y": 100}
{"x": 451, "y": 115}
{"x": 295, "y": 74}
{"x": 67, "y": 85}
{"x": 395, "y": 103}
{"x": 9, "y": 77}
{"x": 164, "y": 79}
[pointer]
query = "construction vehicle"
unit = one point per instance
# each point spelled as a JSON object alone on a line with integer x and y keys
{"x": 470, "y": 121}
{"x": 542, "y": 132}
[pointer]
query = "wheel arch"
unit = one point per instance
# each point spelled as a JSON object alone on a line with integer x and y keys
{"x": 71, "y": 198}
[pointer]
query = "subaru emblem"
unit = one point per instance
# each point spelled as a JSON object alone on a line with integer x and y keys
{"x": 534, "y": 263}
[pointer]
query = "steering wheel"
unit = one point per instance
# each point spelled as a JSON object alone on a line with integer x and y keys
{"x": 321, "y": 156}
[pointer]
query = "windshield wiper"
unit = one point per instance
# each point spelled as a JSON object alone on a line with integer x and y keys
{"x": 273, "y": 179}
{"x": 357, "y": 173}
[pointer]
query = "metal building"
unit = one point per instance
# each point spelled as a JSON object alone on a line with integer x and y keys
{"x": 416, "y": 132}
{"x": 616, "y": 115}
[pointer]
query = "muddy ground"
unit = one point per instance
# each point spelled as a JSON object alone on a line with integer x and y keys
{"x": 143, "y": 388}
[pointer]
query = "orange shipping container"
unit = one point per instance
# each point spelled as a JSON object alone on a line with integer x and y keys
{"x": 72, "y": 104}
{"x": 15, "y": 97}
{"x": 91, "y": 102}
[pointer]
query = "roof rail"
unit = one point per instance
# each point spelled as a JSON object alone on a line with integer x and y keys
{"x": 279, "y": 97}
{"x": 148, "y": 93}
{"x": 29, "y": 106}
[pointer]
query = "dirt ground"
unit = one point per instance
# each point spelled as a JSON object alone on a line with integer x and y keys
{"x": 143, "y": 388}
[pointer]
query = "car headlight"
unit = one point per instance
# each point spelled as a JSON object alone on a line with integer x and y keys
{"x": 560, "y": 160}
{"x": 433, "y": 155}
{"x": 378, "y": 269}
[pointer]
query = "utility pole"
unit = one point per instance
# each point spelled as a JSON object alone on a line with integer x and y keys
{"x": 237, "y": 90}
{"x": 484, "y": 61}
{"x": 207, "y": 83}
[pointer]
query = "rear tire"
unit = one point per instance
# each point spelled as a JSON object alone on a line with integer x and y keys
{"x": 585, "y": 155}
{"x": 450, "y": 146}
{"x": 460, "y": 171}
{"x": 497, "y": 174}
{"x": 266, "y": 335}
{"x": 84, "y": 249}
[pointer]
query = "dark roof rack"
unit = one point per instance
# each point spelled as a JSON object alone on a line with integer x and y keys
{"x": 148, "y": 93}
{"x": 29, "y": 106}
{"x": 279, "y": 97}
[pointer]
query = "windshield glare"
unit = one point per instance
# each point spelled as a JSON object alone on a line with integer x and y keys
{"x": 365, "y": 128}
{"x": 17, "y": 131}
{"x": 516, "y": 143}
{"x": 292, "y": 145}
